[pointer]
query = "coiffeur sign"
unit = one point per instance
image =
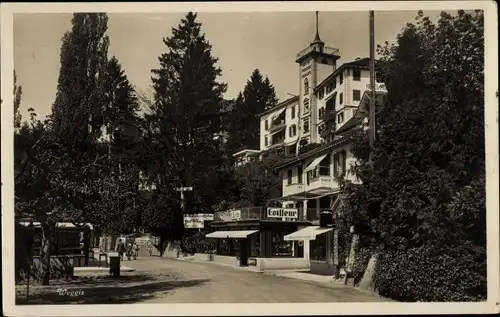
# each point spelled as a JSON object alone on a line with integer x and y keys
{"x": 282, "y": 213}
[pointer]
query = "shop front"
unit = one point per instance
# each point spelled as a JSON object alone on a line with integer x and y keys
{"x": 255, "y": 236}
{"x": 318, "y": 248}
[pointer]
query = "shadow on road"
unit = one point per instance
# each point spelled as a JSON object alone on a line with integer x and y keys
{"x": 125, "y": 290}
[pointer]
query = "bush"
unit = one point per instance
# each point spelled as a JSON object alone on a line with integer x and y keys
{"x": 424, "y": 274}
{"x": 197, "y": 243}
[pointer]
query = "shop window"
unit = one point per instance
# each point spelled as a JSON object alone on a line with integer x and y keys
{"x": 280, "y": 247}
{"x": 254, "y": 245}
{"x": 318, "y": 248}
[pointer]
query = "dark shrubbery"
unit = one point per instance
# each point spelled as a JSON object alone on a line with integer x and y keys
{"x": 426, "y": 178}
{"x": 421, "y": 274}
{"x": 197, "y": 243}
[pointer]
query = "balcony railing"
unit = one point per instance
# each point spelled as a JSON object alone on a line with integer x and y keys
{"x": 276, "y": 125}
{"x": 324, "y": 50}
{"x": 261, "y": 213}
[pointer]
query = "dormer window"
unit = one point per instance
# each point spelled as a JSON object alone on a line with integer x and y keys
{"x": 306, "y": 87}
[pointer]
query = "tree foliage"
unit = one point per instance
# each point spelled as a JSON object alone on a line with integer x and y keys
{"x": 429, "y": 156}
{"x": 257, "y": 96}
{"x": 184, "y": 122}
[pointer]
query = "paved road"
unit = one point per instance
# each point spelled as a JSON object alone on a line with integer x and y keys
{"x": 196, "y": 282}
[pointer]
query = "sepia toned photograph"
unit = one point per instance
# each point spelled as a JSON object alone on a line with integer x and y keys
{"x": 282, "y": 156}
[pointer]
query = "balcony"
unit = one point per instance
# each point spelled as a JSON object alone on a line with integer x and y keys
{"x": 260, "y": 214}
{"x": 293, "y": 189}
{"x": 324, "y": 50}
{"x": 277, "y": 125}
{"x": 321, "y": 185}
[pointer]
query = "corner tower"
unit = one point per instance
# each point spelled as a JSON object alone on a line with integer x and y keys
{"x": 316, "y": 62}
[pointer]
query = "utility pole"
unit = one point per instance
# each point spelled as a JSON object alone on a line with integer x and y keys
{"x": 371, "y": 118}
{"x": 371, "y": 136}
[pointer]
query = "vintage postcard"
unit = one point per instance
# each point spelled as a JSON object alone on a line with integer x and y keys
{"x": 250, "y": 158}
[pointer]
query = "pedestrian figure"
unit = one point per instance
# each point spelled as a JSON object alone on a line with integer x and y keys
{"x": 121, "y": 248}
{"x": 150, "y": 248}
{"x": 136, "y": 250}
{"x": 129, "y": 251}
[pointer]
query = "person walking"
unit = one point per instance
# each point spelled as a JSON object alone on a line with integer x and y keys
{"x": 120, "y": 248}
{"x": 150, "y": 248}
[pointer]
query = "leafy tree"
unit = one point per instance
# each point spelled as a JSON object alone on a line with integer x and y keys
{"x": 123, "y": 128}
{"x": 258, "y": 96}
{"x": 57, "y": 160}
{"x": 258, "y": 182}
{"x": 185, "y": 116}
{"x": 427, "y": 161}
{"x": 18, "y": 91}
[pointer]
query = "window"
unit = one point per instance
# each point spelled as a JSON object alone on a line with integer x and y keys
{"x": 321, "y": 113}
{"x": 356, "y": 95}
{"x": 321, "y": 128}
{"x": 340, "y": 117}
{"x": 266, "y": 141}
{"x": 341, "y": 98}
{"x": 341, "y": 80}
{"x": 293, "y": 112}
{"x": 306, "y": 86}
{"x": 356, "y": 75}
{"x": 339, "y": 164}
{"x": 306, "y": 105}
{"x": 334, "y": 84}
{"x": 267, "y": 125}
{"x": 299, "y": 174}
{"x": 306, "y": 125}
{"x": 289, "y": 177}
{"x": 321, "y": 94}
{"x": 292, "y": 131}
{"x": 280, "y": 247}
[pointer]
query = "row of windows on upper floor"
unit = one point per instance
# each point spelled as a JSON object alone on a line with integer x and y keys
{"x": 292, "y": 130}
{"x": 323, "y": 168}
{"x": 356, "y": 96}
{"x": 356, "y": 76}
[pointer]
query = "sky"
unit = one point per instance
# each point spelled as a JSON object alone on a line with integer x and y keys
{"x": 242, "y": 42}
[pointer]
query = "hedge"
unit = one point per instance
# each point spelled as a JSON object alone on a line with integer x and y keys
{"x": 425, "y": 274}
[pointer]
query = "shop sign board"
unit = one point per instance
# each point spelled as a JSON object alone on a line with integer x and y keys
{"x": 197, "y": 221}
{"x": 289, "y": 213}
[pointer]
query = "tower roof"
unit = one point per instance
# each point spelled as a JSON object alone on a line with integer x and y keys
{"x": 317, "y": 39}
